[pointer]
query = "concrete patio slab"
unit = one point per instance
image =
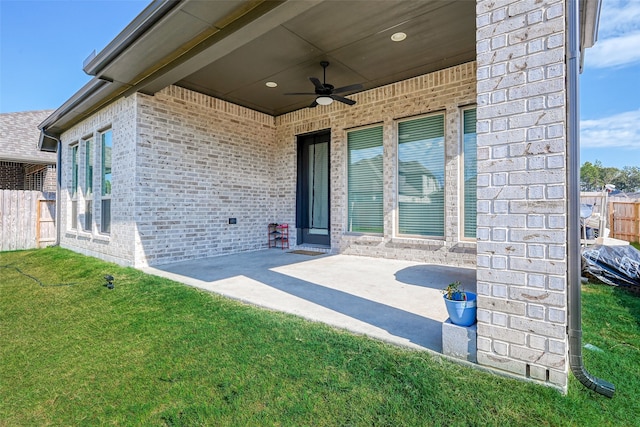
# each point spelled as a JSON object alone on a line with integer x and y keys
{"x": 395, "y": 301}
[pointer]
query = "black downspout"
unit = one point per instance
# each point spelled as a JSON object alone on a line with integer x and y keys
{"x": 573, "y": 221}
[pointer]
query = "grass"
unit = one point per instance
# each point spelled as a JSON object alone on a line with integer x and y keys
{"x": 154, "y": 352}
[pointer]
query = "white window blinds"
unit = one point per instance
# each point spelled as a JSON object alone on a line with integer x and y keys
{"x": 365, "y": 181}
{"x": 421, "y": 176}
{"x": 470, "y": 172}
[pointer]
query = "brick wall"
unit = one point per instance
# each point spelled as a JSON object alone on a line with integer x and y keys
{"x": 12, "y": 176}
{"x": 41, "y": 178}
{"x": 201, "y": 161}
{"x": 119, "y": 245}
{"x": 443, "y": 91}
{"x": 184, "y": 163}
{"x": 521, "y": 189}
{"x": 25, "y": 176}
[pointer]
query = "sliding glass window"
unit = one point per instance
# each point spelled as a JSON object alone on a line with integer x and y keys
{"x": 470, "y": 172}
{"x": 421, "y": 176}
{"x": 365, "y": 180}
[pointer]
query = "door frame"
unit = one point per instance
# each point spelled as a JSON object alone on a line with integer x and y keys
{"x": 302, "y": 185}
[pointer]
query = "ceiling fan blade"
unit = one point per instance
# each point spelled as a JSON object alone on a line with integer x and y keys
{"x": 300, "y": 93}
{"x": 349, "y": 88}
{"x": 343, "y": 100}
{"x": 316, "y": 83}
{"x": 314, "y": 104}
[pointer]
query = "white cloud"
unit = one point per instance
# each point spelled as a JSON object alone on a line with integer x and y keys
{"x": 618, "y": 17}
{"x": 620, "y": 130}
{"x": 618, "y": 35}
{"x": 615, "y": 52}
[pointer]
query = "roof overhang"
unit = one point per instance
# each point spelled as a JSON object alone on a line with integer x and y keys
{"x": 589, "y": 19}
{"x": 230, "y": 49}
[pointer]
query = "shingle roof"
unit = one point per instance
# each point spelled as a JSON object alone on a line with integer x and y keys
{"x": 19, "y": 136}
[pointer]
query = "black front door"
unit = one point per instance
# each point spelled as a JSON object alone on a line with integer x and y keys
{"x": 312, "y": 203}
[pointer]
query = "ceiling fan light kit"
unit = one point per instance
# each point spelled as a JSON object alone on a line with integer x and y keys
{"x": 324, "y": 100}
{"x": 326, "y": 93}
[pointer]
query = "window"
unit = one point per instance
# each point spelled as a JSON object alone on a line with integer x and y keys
{"x": 470, "y": 172}
{"x": 88, "y": 184}
{"x": 421, "y": 176}
{"x": 88, "y": 159}
{"x": 365, "y": 181}
{"x": 74, "y": 187}
{"x": 105, "y": 174}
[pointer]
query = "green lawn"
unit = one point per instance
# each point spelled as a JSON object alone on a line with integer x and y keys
{"x": 154, "y": 352}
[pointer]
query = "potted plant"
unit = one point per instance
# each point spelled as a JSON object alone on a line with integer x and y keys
{"x": 461, "y": 305}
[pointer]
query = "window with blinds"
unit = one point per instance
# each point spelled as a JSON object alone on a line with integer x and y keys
{"x": 365, "y": 180}
{"x": 421, "y": 176}
{"x": 470, "y": 160}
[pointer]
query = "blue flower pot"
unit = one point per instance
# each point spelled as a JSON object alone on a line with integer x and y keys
{"x": 462, "y": 313}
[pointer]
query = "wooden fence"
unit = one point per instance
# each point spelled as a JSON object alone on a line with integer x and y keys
{"x": 27, "y": 220}
{"x": 624, "y": 220}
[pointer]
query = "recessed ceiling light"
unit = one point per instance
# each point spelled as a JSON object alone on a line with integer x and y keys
{"x": 271, "y": 84}
{"x": 398, "y": 37}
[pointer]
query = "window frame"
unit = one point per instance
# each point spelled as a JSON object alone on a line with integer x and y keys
{"x": 105, "y": 197}
{"x": 89, "y": 156}
{"x": 463, "y": 171}
{"x": 382, "y": 201}
{"x": 75, "y": 183}
{"x": 397, "y": 201}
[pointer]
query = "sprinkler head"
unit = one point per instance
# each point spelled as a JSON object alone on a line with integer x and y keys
{"x": 109, "y": 279}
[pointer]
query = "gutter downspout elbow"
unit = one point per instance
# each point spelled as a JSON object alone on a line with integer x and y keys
{"x": 573, "y": 221}
{"x": 577, "y": 367}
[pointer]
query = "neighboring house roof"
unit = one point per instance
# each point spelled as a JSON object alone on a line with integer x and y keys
{"x": 230, "y": 49}
{"x": 19, "y": 137}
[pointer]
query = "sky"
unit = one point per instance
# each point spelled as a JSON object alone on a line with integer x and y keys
{"x": 43, "y": 44}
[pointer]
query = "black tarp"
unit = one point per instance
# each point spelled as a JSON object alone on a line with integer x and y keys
{"x": 613, "y": 265}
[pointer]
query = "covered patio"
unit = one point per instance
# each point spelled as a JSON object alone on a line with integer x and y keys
{"x": 453, "y": 141}
{"x": 392, "y": 300}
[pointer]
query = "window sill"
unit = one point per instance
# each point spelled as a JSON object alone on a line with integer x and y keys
{"x": 359, "y": 235}
{"x": 416, "y": 243}
{"x": 101, "y": 238}
{"x": 86, "y": 236}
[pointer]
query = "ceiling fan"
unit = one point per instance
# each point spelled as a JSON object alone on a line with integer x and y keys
{"x": 325, "y": 93}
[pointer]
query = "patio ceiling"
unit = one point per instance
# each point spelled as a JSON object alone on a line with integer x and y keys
{"x": 230, "y": 49}
{"x": 355, "y": 37}
{"x": 246, "y": 44}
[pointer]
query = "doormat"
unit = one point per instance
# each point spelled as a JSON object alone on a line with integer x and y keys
{"x": 303, "y": 252}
